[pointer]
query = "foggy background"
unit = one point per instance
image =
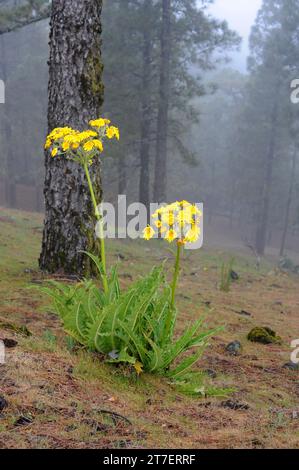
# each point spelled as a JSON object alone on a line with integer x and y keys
{"x": 240, "y": 15}
{"x": 220, "y": 158}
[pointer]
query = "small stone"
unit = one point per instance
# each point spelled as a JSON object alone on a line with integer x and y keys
{"x": 234, "y": 276}
{"x": 23, "y": 421}
{"x": 244, "y": 313}
{"x": 291, "y": 366}
{"x": 257, "y": 443}
{"x": 70, "y": 428}
{"x": 184, "y": 297}
{"x": 3, "y": 404}
{"x": 114, "y": 354}
{"x": 234, "y": 348}
{"x": 10, "y": 343}
{"x": 127, "y": 276}
{"x": 211, "y": 373}
{"x": 234, "y": 405}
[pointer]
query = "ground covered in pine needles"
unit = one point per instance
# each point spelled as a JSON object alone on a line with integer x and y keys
{"x": 58, "y": 398}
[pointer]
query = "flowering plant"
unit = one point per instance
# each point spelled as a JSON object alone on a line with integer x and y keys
{"x": 136, "y": 326}
{"x": 83, "y": 148}
{"x": 177, "y": 222}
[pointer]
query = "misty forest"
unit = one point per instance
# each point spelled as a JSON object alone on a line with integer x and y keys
{"x": 140, "y": 342}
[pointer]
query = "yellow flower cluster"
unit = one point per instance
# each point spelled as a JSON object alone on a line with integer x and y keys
{"x": 178, "y": 221}
{"x": 110, "y": 131}
{"x": 101, "y": 122}
{"x": 90, "y": 142}
{"x": 58, "y": 133}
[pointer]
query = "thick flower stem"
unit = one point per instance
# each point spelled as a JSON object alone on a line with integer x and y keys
{"x": 100, "y": 220}
{"x": 176, "y": 274}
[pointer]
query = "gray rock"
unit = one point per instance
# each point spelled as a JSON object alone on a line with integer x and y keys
{"x": 291, "y": 366}
{"x": 23, "y": 421}
{"x": 211, "y": 373}
{"x": 234, "y": 276}
{"x": 234, "y": 348}
{"x": 235, "y": 405}
{"x": 3, "y": 404}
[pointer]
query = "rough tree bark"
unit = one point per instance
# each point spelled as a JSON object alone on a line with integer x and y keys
{"x": 75, "y": 96}
{"x": 162, "y": 123}
{"x": 144, "y": 184}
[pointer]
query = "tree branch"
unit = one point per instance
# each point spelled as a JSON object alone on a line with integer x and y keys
{"x": 23, "y": 22}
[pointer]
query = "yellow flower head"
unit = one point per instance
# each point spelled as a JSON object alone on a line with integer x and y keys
{"x": 171, "y": 235}
{"x": 168, "y": 218}
{"x": 88, "y": 146}
{"x": 148, "y": 233}
{"x": 195, "y": 211}
{"x": 185, "y": 204}
{"x": 138, "y": 366}
{"x": 54, "y": 152}
{"x": 48, "y": 143}
{"x": 158, "y": 212}
{"x": 99, "y": 122}
{"x": 70, "y": 138}
{"x": 184, "y": 217}
{"x": 193, "y": 234}
{"x": 60, "y": 132}
{"x": 82, "y": 136}
{"x": 98, "y": 145}
{"x": 65, "y": 146}
{"x": 112, "y": 132}
{"x": 175, "y": 206}
{"x": 179, "y": 221}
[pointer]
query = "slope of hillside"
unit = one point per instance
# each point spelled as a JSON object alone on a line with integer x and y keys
{"x": 62, "y": 399}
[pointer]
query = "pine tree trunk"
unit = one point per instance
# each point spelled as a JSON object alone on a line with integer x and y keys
{"x": 261, "y": 234}
{"x": 75, "y": 96}
{"x": 162, "y": 124}
{"x": 144, "y": 186}
{"x": 288, "y": 207}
